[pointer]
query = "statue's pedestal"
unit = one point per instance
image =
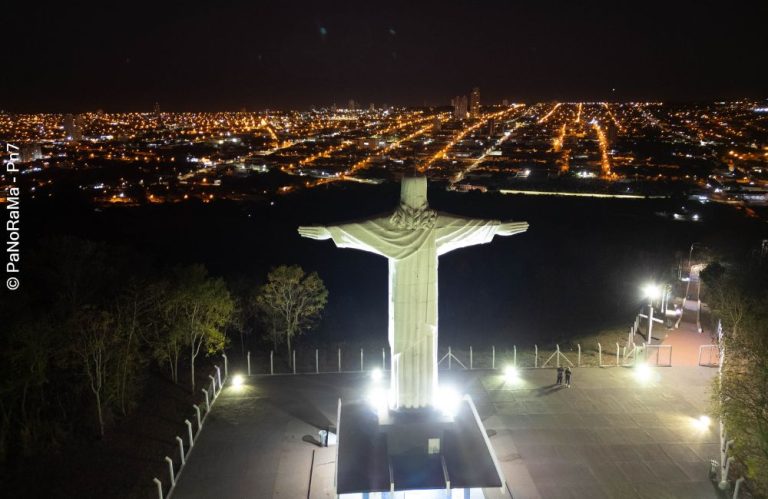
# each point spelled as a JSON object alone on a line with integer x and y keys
{"x": 413, "y": 450}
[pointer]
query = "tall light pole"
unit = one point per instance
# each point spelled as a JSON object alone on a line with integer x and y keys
{"x": 652, "y": 292}
{"x": 690, "y": 255}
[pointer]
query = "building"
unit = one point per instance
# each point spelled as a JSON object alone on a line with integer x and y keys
{"x": 459, "y": 107}
{"x": 30, "y": 152}
{"x": 73, "y": 129}
{"x": 474, "y": 103}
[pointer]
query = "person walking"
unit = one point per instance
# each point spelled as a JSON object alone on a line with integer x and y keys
{"x": 568, "y": 377}
{"x": 559, "y": 375}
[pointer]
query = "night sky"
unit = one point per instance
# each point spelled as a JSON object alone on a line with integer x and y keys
{"x": 226, "y": 55}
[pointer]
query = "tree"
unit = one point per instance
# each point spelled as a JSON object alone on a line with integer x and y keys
{"x": 131, "y": 309}
{"x": 95, "y": 346}
{"x": 739, "y": 297}
{"x": 202, "y": 308}
{"x": 291, "y": 301}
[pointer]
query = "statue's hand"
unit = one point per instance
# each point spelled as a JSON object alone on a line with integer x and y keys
{"x": 511, "y": 228}
{"x": 315, "y": 232}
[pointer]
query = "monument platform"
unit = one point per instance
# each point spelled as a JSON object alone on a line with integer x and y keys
{"x": 611, "y": 435}
{"x": 413, "y": 450}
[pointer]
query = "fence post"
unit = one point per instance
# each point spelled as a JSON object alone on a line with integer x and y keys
{"x": 199, "y": 419}
{"x": 578, "y": 361}
{"x": 271, "y": 362}
{"x": 226, "y": 365}
{"x": 599, "y": 355}
{"x": 317, "y": 363}
{"x": 189, "y": 430}
{"x": 383, "y": 359}
{"x": 618, "y": 352}
{"x": 218, "y": 377}
{"x": 213, "y": 386}
{"x": 170, "y": 470}
{"x": 493, "y": 356}
{"x": 181, "y": 450}
{"x": 207, "y": 402}
{"x": 249, "y": 362}
{"x": 737, "y": 487}
{"x": 159, "y": 487}
{"x": 449, "y": 358}
{"x": 471, "y": 366}
{"x": 557, "y": 351}
{"x": 361, "y": 360}
{"x": 535, "y": 355}
{"x": 338, "y": 352}
{"x": 294, "y": 362}
{"x": 514, "y": 353}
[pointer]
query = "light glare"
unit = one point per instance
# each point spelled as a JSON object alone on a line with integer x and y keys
{"x": 447, "y": 400}
{"x": 511, "y": 374}
{"x": 643, "y": 373}
{"x": 376, "y": 375}
{"x": 652, "y": 291}
{"x": 237, "y": 381}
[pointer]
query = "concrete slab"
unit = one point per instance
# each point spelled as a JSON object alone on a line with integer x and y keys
{"x": 610, "y": 435}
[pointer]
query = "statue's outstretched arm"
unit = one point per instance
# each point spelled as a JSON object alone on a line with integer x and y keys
{"x": 315, "y": 232}
{"x": 511, "y": 228}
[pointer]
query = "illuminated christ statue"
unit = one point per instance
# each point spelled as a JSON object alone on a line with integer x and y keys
{"x": 412, "y": 239}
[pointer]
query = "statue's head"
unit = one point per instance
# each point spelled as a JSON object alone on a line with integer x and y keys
{"x": 413, "y": 192}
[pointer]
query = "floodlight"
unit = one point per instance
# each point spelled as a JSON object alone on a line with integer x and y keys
{"x": 511, "y": 374}
{"x": 643, "y": 373}
{"x": 703, "y": 422}
{"x": 447, "y": 400}
{"x": 652, "y": 291}
{"x": 237, "y": 380}
{"x": 378, "y": 399}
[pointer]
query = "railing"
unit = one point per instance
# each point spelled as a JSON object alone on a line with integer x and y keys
{"x": 210, "y": 398}
{"x": 649, "y": 351}
{"x": 710, "y": 353}
{"x": 350, "y": 360}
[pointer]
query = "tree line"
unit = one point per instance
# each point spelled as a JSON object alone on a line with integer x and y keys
{"x": 92, "y": 319}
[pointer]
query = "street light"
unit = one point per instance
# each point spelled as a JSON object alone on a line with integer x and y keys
{"x": 652, "y": 292}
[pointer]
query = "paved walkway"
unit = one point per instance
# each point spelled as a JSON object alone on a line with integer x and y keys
{"x": 690, "y": 335}
{"x": 610, "y": 435}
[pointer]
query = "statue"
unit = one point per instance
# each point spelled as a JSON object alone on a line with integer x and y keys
{"x": 412, "y": 239}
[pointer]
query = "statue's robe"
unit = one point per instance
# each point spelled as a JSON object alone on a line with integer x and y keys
{"x": 413, "y": 257}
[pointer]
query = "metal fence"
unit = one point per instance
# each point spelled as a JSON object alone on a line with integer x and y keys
{"x": 345, "y": 360}
{"x": 176, "y": 466}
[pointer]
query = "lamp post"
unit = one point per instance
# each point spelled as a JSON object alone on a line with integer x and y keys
{"x": 652, "y": 292}
{"x": 690, "y": 257}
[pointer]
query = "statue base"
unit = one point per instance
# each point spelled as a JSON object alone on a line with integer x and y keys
{"x": 419, "y": 449}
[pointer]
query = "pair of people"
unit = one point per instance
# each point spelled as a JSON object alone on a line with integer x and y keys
{"x": 567, "y": 372}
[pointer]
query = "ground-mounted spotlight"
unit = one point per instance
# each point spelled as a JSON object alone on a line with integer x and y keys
{"x": 643, "y": 373}
{"x": 376, "y": 375}
{"x": 652, "y": 291}
{"x": 378, "y": 399}
{"x": 511, "y": 374}
{"x": 447, "y": 400}
{"x": 237, "y": 380}
{"x": 702, "y": 423}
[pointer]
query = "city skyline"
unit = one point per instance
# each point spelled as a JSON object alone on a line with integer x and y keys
{"x": 206, "y": 58}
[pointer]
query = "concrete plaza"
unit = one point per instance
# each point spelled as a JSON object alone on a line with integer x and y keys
{"x": 612, "y": 434}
